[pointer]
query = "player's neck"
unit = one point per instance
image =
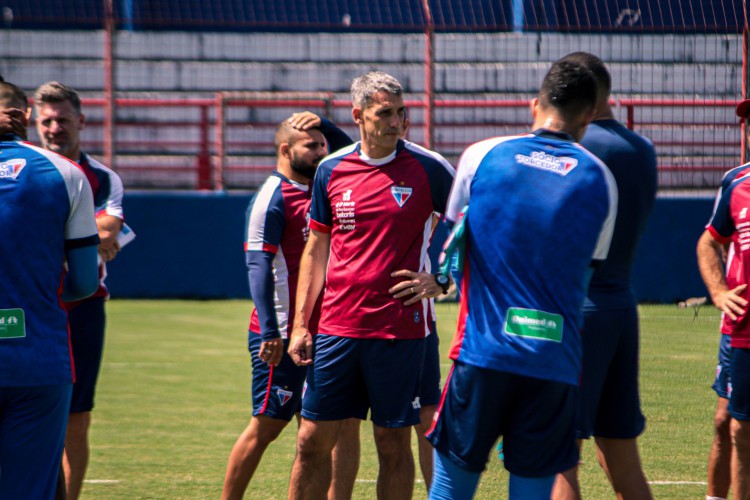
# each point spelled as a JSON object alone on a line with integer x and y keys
{"x": 285, "y": 169}
{"x": 604, "y": 112}
{"x": 74, "y": 154}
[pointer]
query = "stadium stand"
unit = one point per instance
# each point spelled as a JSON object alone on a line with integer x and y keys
{"x": 168, "y": 50}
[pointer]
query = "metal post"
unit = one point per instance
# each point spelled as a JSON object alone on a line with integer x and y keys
{"x": 221, "y": 148}
{"x": 204, "y": 160}
{"x": 109, "y": 79}
{"x": 429, "y": 74}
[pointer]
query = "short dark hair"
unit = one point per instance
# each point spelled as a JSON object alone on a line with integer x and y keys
{"x": 13, "y": 97}
{"x": 570, "y": 88}
{"x": 56, "y": 92}
{"x": 597, "y": 67}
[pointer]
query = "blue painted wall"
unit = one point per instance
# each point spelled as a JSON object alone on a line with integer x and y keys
{"x": 190, "y": 246}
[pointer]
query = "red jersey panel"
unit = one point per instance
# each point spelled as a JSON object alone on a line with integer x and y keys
{"x": 731, "y": 222}
{"x": 379, "y": 215}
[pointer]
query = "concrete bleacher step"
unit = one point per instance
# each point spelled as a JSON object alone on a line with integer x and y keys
{"x": 465, "y": 63}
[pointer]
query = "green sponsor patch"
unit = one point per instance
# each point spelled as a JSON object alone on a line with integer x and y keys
{"x": 534, "y": 324}
{"x": 12, "y": 324}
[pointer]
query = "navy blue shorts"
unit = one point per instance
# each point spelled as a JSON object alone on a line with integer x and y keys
{"x": 535, "y": 417}
{"x": 33, "y": 421}
{"x": 277, "y": 390}
{"x": 429, "y": 393}
{"x": 723, "y": 377}
{"x": 87, "y": 321}
{"x": 739, "y": 393}
{"x": 609, "y": 401}
{"x": 350, "y": 376}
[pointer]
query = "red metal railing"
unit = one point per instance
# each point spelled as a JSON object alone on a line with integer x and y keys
{"x": 214, "y": 164}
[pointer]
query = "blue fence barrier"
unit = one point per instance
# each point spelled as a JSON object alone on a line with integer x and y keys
{"x": 659, "y": 16}
{"x": 190, "y": 246}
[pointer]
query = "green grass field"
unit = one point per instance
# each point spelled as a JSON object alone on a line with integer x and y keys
{"x": 174, "y": 395}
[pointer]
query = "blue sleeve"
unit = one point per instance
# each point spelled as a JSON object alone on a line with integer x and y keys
{"x": 320, "y": 209}
{"x": 260, "y": 275}
{"x": 721, "y": 222}
{"x": 336, "y": 137}
{"x": 439, "y": 172}
{"x": 440, "y": 185}
{"x": 82, "y": 278}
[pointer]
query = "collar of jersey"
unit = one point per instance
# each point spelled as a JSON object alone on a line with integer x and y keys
{"x": 300, "y": 186}
{"x": 11, "y": 137}
{"x": 551, "y": 134}
{"x": 376, "y": 162}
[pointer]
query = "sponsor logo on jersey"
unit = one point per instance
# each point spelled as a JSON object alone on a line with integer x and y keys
{"x": 401, "y": 194}
{"x": 11, "y": 168}
{"x": 345, "y": 212}
{"x": 284, "y": 396}
{"x": 560, "y": 165}
{"x": 743, "y": 213}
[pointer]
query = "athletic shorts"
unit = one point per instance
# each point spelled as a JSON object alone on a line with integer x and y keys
{"x": 87, "y": 322}
{"x": 609, "y": 401}
{"x": 739, "y": 399}
{"x": 33, "y": 421}
{"x": 277, "y": 390}
{"x": 429, "y": 392}
{"x": 535, "y": 417}
{"x": 349, "y": 376}
{"x": 723, "y": 378}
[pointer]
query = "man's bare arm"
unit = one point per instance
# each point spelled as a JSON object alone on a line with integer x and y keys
{"x": 109, "y": 228}
{"x": 312, "y": 276}
{"x": 710, "y": 260}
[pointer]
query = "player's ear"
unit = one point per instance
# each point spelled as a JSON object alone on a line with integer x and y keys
{"x": 357, "y": 115}
{"x": 81, "y": 121}
{"x": 533, "y": 105}
{"x": 284, "y": 150}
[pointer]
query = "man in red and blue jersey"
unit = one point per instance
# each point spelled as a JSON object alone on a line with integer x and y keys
{"x": 609, "y": 402}
{"x": 541, "y": 212}
{"x": 719, "y": 460}
{"x": 726, "y": 234}
{"x": 275, "y": 235}
{"x": 48, "y": 221}
{"x": 370, "y": 227}
{"x": 59, "y": 121}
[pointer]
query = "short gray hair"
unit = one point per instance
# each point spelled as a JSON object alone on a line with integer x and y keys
{"x": 55, "y": 93}
{"x": 363, "y": 87}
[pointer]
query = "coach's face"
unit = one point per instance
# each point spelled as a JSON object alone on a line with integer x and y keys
{"x": 381, "y": 123}
{"x": 59, "y": 127}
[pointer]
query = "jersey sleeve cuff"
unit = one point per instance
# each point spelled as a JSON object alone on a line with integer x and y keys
{"x": 721, "y": 239}
{"x": 265, "y": 247}
{"x": 88, "y": 241}
{"x": 321, "y": 228}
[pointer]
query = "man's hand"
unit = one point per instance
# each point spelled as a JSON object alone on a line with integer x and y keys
{"x": 301, "y": 346}
{"x": 417, "y": 286}
{"x": 272, "y": 351}
{"x": 13, "y": 121}
{"x": 730, "y": 302}
{"x": 109, "y": 227}
{"x": 304, "y": 120}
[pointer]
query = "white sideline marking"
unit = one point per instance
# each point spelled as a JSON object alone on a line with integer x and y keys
{"x": 700, "y": 483}
{"x": 101, "y": 481}
{"x": 372, "y": 481}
